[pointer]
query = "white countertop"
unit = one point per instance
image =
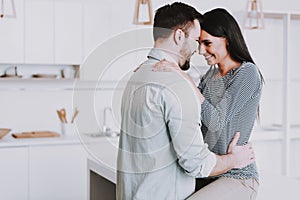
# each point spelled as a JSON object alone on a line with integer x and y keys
{"x": 103, "y": 159}
{"x": 8, "y": 141}
{"x": 102, "y": 170}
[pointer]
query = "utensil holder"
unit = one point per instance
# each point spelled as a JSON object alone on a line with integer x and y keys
{"x": 68, "y": 128}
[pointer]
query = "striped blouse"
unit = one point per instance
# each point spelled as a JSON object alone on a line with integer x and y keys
{"x": 230, "y": 105}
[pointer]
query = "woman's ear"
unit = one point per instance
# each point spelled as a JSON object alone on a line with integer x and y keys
{"x": 179, "y": 37}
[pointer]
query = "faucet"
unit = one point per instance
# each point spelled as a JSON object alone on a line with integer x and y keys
{"x": 105, "y": 127}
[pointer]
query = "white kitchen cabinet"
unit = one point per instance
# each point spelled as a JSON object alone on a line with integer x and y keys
{"x": 97, "y": 24}
{"x": 57, "y": 172}
{"x": 68, "y": 32}
{"x": 44, "y": 32}
{"x": 39, "y": 31}
{"x": 53, "y": 32}
{"x": 14, "y": 173}
{"x": 12, "y": 36}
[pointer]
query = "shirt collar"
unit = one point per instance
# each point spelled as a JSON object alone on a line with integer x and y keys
{"x": 159, "y": 54}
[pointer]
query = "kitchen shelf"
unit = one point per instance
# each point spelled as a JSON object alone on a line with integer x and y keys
{"x": 280, "y": 15}
{"x": 17, "y": 72}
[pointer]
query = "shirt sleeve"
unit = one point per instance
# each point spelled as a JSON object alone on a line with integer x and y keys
{"x": 181, "y": 108}
{"x": 245, "y": 85}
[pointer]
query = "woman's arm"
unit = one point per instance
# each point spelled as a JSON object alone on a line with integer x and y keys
{"x": 244, "y": 86}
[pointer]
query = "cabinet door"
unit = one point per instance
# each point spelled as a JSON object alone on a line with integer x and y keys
{"x": 57, "y": 172}
{"x": 97, "y": 24}
{"x": 68, "y": 32}
{"x": 14, "y": 173}
{"x": 12, "y": 36}
{"x": 39, "y": 34}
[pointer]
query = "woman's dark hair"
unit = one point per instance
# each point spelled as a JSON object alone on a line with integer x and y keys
{"x": 220, "y": 23}
{"x": 172, "y": 17}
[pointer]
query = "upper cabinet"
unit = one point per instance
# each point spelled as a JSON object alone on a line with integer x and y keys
{"x": 12, "y": 36}
{"x": 68, "y": 32}
{"x": 96, "y": 24}
{"x": 39, "y": 34}
{"x": 44, "y": 32}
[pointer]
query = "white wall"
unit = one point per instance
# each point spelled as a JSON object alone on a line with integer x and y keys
{"x": 35, "y": 109}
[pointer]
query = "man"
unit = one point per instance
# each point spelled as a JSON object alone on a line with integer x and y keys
{"x": 161, "y": 149}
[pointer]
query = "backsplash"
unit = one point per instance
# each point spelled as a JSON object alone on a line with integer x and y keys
{"x": 36, "y": 110}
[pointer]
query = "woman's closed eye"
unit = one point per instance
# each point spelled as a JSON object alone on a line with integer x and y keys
{"x": 206, "y": 43}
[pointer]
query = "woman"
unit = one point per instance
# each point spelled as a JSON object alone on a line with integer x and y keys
{"x": 231, "y": 91}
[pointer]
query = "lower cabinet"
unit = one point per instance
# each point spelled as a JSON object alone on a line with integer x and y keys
{"x": 50, "y": 172}
{"x": 57, "y": 172}
{"x": 14, "y": 173}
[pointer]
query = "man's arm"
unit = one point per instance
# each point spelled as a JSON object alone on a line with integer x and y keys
{"x": 237, "y": 157}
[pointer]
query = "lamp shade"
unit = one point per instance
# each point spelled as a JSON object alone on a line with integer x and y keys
{"x": 254, "y": 18}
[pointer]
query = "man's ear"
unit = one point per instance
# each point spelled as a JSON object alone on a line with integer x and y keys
{"x": 179, "y": 37}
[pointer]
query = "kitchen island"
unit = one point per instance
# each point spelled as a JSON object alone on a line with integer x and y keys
{"x": 101, "y": 182}
{"x": 101, "y": 166}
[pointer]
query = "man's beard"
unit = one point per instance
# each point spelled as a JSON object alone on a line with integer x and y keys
{"x": 185, "y": 66}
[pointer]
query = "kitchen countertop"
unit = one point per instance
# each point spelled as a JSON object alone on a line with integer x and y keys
{"x": 103, "y": 158}
{"x": 9, "y": 142}
{"x": 101, "y": 170}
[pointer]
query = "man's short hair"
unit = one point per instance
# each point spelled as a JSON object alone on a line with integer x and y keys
{"x": 175, "y": 16}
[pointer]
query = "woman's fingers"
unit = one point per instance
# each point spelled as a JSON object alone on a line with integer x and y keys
{"x": 165, "y": 66}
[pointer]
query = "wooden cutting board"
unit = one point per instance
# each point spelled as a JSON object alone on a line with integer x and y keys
{"x": 35, "y": 134}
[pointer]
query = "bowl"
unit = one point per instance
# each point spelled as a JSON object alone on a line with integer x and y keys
{"x": 3, "y": 132}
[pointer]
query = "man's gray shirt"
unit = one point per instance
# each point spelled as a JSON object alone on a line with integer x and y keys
{"x": 161, "y": 149}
